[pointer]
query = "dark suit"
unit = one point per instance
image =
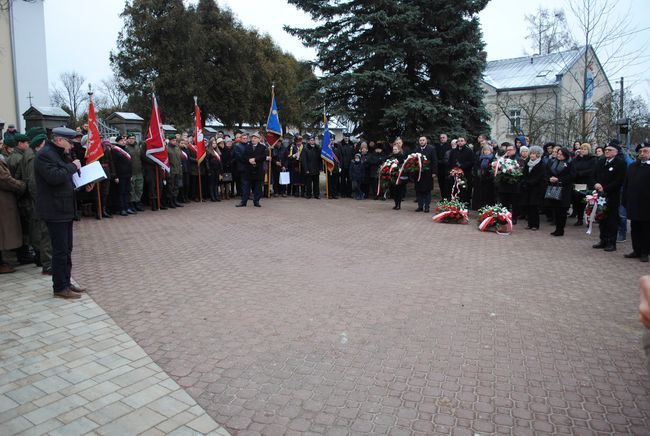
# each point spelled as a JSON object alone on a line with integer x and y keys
{"x": 463, "y": 158}
{"x": 252, "y": 175}
{"x": 424, "y": 186}
{"x": 636, "y": 198}
{"x": 311, "y": 164}
{"x": 611, "y": 176}
{"x": 55, "y": 205}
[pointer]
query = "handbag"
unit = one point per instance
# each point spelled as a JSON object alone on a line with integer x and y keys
{"x": 553, "y": 192}
{"x": 226, "y": 177}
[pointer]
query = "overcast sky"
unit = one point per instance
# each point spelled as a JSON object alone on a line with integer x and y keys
{"x": 86, "y": 31}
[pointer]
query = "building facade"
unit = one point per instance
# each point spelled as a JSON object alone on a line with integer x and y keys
{"x": 543, "y": 97}
{"x": 23, "y": 60}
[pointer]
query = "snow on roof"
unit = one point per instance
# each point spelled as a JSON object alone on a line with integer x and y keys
{"x": 129, "y": 116}
{"x": 51, "y": 111}
{"x": 530, "y": 71}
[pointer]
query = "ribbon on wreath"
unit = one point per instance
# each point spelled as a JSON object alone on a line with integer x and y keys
{"x": 593, "y": 201}
{"x": 494, "y": 219}
{"x": 448, "y": 213}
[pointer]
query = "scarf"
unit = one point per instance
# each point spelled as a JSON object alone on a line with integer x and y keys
{"x": 531, "y": 164}
{"x": 485, "y": 160}
{"x": 557, "y": 167}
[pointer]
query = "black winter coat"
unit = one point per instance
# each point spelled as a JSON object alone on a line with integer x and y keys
{"x": 426, "y": 178}
{"x": 54, "y": 187}
{"x": 249, "y": 171}
{"x": 345, "y": 153}
{"x": 374, "y": 161}
{"x": 636, "y": 192}
{"x": 565, "y": 180}
{"x": 611, "y": 176}
{"x": 311, "y": 161}
{"x": 464, "y": 158}
{"x": 584, "y": 167}
{"x": 123, "y": 166}
{"x": 533, "y": 186}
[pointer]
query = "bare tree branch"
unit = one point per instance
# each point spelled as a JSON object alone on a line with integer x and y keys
{"x": 69, "y": 93}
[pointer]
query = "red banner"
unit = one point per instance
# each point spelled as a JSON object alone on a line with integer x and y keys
{"x": 156, "y": 150}
{"x": 199, "y": 142}
{"x": 94, "y": 149}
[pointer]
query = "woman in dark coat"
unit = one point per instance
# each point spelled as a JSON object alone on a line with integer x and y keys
{"x": 484, "y": 179}
{"x": 397, "y": 192}
{"x": 583, "y": 167}
{"x": 214, "y": 168}
{"x": 533, "y": 186}
{"x": 560, "y": 174}
{"x": 508, "y": 193}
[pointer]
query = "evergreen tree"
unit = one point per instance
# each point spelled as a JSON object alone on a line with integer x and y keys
{"x": 400, "y": 67}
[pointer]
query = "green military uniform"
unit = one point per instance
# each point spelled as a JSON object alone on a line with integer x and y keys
{"x": 16, "y": 165}
{"x": 13, "y": 162}
{"x": 38, "y": 234}
{"x": 137, "y": 178}
{"x": 175, "y": 172}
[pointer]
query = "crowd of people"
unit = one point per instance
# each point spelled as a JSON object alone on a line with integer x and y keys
{"x": 546, "y": 181}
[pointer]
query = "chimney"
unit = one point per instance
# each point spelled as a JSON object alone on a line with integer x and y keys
{"x": 531, "y": 59}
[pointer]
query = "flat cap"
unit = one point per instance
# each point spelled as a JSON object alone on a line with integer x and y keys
{"x": 64, "y": 132}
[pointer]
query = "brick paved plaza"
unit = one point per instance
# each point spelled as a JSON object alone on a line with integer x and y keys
{"x": 346, "y": 317}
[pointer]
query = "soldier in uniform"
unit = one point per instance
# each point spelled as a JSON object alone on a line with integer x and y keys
{"x": 311, "y": 164}
{"x": 38, "y": 234}
{"x": 252, "y": 171}
{"x": 175, "y": 176}
{"x": 137, "y": 180}
{"x": 610, "y": 175}
{"x": 15, "y": 162}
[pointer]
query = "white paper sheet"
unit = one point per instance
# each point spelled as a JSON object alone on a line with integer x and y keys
{"x": 285, "y": 179}
{"x": 89, "y": 174}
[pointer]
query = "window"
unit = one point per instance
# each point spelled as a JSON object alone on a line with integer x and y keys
{"x": 515, "y": 121}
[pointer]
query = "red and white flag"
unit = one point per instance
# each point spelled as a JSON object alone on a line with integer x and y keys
{"x": 199, "y": 142}
{"x": 94, "y": 149}
{"x": 156, "y": 150}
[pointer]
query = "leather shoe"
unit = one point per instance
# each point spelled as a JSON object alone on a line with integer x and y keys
{"x": 632, "y": 255}
{"x": 77, "y": 289}
{"x": 46, "y": 271}
{"x": 610, "y": 248}
{"x": 419, "y": 209}
{"x": 124, "y": 213}
{"x": 426, "y": 210}
{"x": 599, "y": 245}
{"x": 139, "y": 207}
{"x": 67, "y": 293}
{"x": 106, "y": 214}
{"x": 643, "y": 258}
{"x": 257, "y": 205}
{"x": 131, "y": 211}
{"x": 240, "y": 205}
{"x": 178, "y": 204}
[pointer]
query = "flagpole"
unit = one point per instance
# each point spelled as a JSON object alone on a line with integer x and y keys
{"x": 327, "y": 173}
{"x": 157, "y": 187}
{"x": 99, "y": 202}
{"x": 268, "y": 192}
{"x": 198, "y": 166}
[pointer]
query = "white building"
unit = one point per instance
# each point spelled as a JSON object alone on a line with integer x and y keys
{"x": 542, "y": 96}
{"x": 23, "y": 60}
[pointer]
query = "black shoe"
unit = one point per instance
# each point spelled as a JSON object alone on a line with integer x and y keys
{"x": 643, "y": 258}
{"x": 240, "y": 205}
{"x": 579, "y": 223}
{"x": 106, "y": 214}
{"x": 632, "y": 255}
{"x": 131, "y": 211}
{"x": 514, "y": 221}
{"x": 307, "y": 197}
{"x": 163, "y": 207}
{"x": 419, "y": 209}
{"x": 426, "y": 210}
{"x": 316, "y": 197}
{"x": 610, "y": 248}
{"x": 139, "y": 207}
{"x": 172, "y": 206}
{"x": 257, "y": 205}
{"x": 395, "y": 207}
{"x": 557, "y": 233}
{"x": 178, "y": 204}
{"x": 124, "y": 213}
{"x": 601, "y": 244}
{"x": 47, "y": 271}
{"x": 398, "y": 208}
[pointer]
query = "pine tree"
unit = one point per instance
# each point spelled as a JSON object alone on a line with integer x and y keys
{"x": 400, "y": 67}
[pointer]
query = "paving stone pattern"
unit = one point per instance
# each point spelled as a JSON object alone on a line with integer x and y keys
{"x": 346, "y": 317}
{"x": 66, "y": 369}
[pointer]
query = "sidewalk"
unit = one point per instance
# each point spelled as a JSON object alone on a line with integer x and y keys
{"x": 66, "y": 368}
